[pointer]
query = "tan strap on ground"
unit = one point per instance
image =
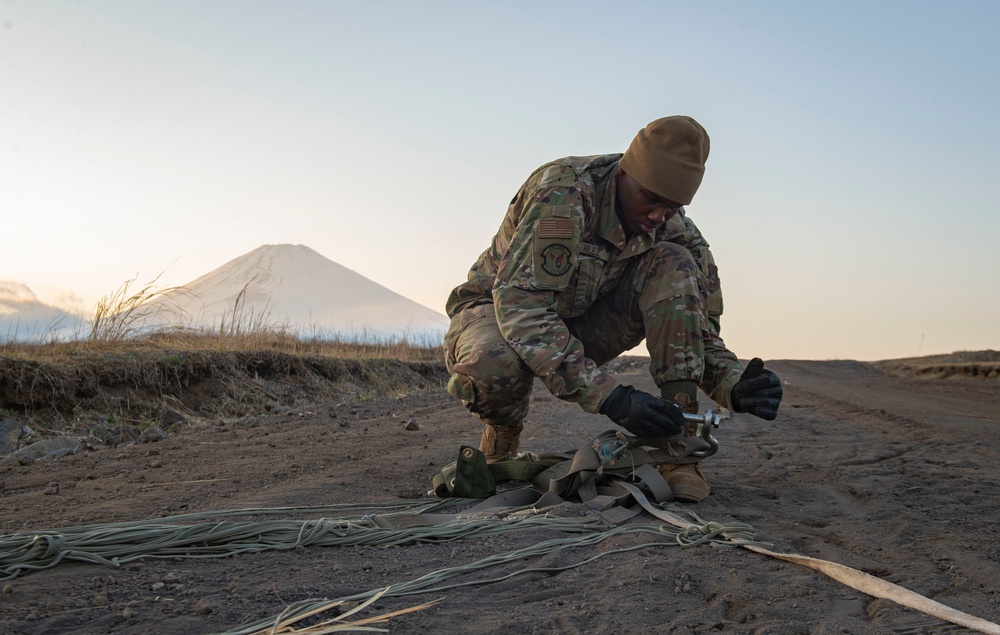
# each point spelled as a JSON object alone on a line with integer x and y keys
{"x": 880, "y": 588}
{"x": 858, "y": 580}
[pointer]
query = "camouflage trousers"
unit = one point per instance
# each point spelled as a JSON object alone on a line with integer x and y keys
{"x": 661, "y": 297}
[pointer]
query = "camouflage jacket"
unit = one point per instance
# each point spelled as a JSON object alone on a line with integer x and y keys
{"x": 560, "y": 248}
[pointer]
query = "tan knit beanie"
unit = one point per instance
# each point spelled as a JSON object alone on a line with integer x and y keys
{"x": 668, "y": 156}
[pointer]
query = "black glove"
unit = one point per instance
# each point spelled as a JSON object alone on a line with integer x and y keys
{"x": 642, "y": 414}
{"x": 758, "y": 391}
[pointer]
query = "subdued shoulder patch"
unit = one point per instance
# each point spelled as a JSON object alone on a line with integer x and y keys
{"x": 555, "y": 247}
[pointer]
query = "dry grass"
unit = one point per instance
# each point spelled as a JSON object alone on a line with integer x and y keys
{"x": 124, "y": 313}
{"x": 290, "y": 620}
{"x": 193, "y": 341}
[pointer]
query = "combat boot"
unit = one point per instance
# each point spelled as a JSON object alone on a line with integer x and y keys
{"x": 499, "y": 441}
{"x": 686, "y": 480}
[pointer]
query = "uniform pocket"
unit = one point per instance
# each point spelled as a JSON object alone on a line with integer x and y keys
{"x": 587, "y": 276}
{"x": 459, "y": 323}
{"x": 461, "y": 386}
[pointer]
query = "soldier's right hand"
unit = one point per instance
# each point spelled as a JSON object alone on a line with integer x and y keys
{"x": 642, "y": 414}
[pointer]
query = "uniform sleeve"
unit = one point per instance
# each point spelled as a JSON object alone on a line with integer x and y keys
{"x": 722, "y": 367}
{"x": 538, "y": 264}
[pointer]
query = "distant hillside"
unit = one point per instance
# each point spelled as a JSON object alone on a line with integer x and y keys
{"x": 26, "y": 318}
{"x": 295, "y": 287}
{"x": 961, "y": 364}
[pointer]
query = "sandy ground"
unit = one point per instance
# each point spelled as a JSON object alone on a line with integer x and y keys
{"x": 896, "y": 477}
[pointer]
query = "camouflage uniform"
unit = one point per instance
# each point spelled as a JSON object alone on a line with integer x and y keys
{"x": 562, "y": 290}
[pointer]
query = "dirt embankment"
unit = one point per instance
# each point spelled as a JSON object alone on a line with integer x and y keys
{"x": 112, "y": 398}
{"x": 959, "y": 365}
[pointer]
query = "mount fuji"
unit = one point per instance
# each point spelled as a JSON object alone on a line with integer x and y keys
{"x": 295, "y": 287}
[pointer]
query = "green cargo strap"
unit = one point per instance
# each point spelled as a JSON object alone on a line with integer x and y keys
{"x": 452, "y": 480}
{"x": 468, "y": 477}
{"x": 589, "y": 473}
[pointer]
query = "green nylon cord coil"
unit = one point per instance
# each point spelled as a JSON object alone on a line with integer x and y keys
{"x": 113, "y": 544}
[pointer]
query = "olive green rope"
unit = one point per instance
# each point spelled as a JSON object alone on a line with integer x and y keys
{"x": 114, "y": 544}
{"x": 434, "y": 582}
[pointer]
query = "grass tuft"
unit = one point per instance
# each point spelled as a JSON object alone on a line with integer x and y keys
{"x": 124, "y": 314}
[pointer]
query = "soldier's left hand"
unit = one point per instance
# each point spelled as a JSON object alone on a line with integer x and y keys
{"x": 758, "y": 391}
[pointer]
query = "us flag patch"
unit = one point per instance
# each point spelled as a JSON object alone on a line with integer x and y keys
{"x": 555, "y": 228}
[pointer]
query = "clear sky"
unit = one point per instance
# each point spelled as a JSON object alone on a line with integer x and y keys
{"x": 850, "y": 197}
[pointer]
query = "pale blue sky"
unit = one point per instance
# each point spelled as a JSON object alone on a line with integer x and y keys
{"x": 849, "y": 197}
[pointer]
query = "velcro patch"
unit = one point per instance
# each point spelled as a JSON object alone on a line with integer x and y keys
{"x": 555, "y": 228}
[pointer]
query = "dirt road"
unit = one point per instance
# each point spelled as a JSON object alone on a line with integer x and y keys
{"x": 896, "y": 477}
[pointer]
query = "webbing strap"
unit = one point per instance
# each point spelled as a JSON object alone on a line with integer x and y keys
{"x": 471, "y": 477}
{"x": 520, "y": 497}
{"x": 877, "y": 587}
{"x": 592, "y": 475}
{"x": 585, "y": 474}
{"x": 858, "y": 580}
{"x": 686, "y": 450}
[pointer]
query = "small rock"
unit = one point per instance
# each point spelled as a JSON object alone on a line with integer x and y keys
{"x": 151, "y": 435}
{"x": 7, "y": 589}
{"x": 52, "y": 489}
{"x": 99, "y": 600}
{"x": 203, "y": 607}
{"x": 119, "y": 435}
{"x": 127, "y": 613}
{"x": 45, "y": 449}
{"x": 157, "y": 586}
{"x": 412, "y": 425}
{"x": 172, "y": 417}
{"x": 10, "y": 432}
